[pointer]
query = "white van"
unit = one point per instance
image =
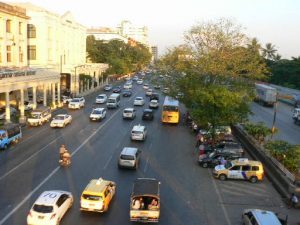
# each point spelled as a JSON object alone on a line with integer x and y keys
{"x": 39, "y": 116}
{"x": 113, "y": 101}
{"x": 138, "y": 133}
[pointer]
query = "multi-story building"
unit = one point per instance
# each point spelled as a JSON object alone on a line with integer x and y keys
{"x": 13, "y": 36}
{"x": 137, "y": 33}
{"x": 154, "y": 52}
{"x": 106, "y": 34}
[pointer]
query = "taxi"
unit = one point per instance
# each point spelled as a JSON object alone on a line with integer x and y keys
{"x": 242, "y": 169}
{"x": 97, "y": 195}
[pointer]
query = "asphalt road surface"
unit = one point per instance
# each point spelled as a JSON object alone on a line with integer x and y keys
{"x": 189, "y": 193}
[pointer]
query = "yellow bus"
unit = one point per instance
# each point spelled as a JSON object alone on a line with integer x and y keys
{"x": 170, "y": 111}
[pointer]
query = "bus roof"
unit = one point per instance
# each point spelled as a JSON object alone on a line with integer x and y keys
{"x": 171, "y": 101}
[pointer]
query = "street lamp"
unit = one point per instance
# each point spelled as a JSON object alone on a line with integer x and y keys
{"x": 274, "y": 117}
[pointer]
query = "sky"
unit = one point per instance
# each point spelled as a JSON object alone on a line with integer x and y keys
{"x": 274, "y": 21}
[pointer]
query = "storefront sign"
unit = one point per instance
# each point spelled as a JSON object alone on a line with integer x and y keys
{"x": 10, "y": 74}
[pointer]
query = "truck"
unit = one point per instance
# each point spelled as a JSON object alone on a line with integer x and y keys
{"x": 265, "y": 94}
{"x": 145, "y": 200}
{"x": 9, "y": 133}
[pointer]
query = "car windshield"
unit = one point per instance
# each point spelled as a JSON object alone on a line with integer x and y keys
{"x": 100, "y": 97}
{"x": 111, "y": 100}
{"x": 228, "y": 165}
{"x": 137, "y": 132}
{"x": 35, "y": 115}
{"x": 42, "y": 208}
{"x": 170, "y": 108}
{"x": 211, "y": 155}
{"x": 97, "y": 112}
{"x": 127, "y": 111}
{"x": 127, "y": 157}
{"x": 92, "y": 197}
{"x": 75, "y": 100}
{"x": 59, "y": 117}
{"x": 138, "y": 98}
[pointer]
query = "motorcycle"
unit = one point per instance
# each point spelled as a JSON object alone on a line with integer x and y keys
{"x": 64, "y": 163}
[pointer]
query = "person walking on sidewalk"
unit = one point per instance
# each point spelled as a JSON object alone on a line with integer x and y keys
{"x": 293, "y": 201}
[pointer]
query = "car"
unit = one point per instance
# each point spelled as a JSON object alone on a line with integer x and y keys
{"x": 13, "y": 112}
{"x": 166, "y": 90}
{"x": 61, "y": 120}
{"x": 129, "y": 113}
{"x": 139, "y": 101}
{"x": 98, "y": 114}
{"x": 107, "y": 87}
{"x": 66, "y": 99}
{"x": 262, "y": 217}
{"x": 135, "y": 78}
{"x": 157, "y": 86}
{"x": 128, "y": 85}
{"x": 153, "y": 104}
{"x": 241, "y": 169}
{"x": 127, "y": 93}
{"x": 76, "y": 103}
{"x": 138, "y": 133}
{"x": 214, "y": 158}
{"x": 234, "y": 147}
{"x": 148, "y": 92}
{"x": 146, "y": 86}
{"x": 147, "y": 114}
{"x": 139, "y": 81}
{"x": 117, "y": 89}
{"x": 28, "y": 105}
{"x": 50, "y": 207}
{"x": 129, "y": 158}
{"x": 155, "y": 96}
{"x": 100, "y": 99}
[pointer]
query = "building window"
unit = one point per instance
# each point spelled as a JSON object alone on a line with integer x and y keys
{"x": 31, "y": 52}
{"x": 20, "y": 54}
{"x": 20, "y": 27}
{"x": 31, "y": 31}
{"x": 8, "y": 26}
{"x": 8, "y": 53}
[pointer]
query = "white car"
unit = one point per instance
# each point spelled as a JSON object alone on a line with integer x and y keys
{"x": 129, "y": 113}
{"x": 66, "y": 99}
{"x": 76, "y": 103}
{"x": 102, "y": 98}
{"x": 61, "y": 120}
{"x": 149, "y": 92}
{"x": 28, "y": 105}
{"x": 153, "y": 104}
{"x": 107, "y": 87}
{"x": 50, "y": 208}
{"x": 139, "y": 81}
{"x": 146, "y": 86}
{"x": 98, "y": 114}
{"x": 139, "y": 101}
{"x": 128, "y": 85}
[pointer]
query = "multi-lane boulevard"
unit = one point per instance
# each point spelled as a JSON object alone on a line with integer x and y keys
{"x": 189, "y": 194}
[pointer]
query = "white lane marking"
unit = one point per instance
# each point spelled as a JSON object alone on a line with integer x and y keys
{"x": 108, "y": 161}
{"x": 25, "y": 161}
{"x": 221, "y": 202}
{"x": 52, "y": 173}
{"x": 146, "y": 166}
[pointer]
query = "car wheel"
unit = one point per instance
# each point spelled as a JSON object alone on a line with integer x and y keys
{"x": 222, "y": 177}
{"x": 253, "y": 179}
{"x": 204, "y": 165}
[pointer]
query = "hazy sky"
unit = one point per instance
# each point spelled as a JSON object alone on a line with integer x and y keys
{"x": 275, "y": 21}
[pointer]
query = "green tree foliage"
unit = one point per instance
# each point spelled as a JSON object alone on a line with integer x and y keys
{"x": 287, "y": 154}
{"x": 214, "y": 70}
{"x": 269, "y": 52}
{"x": 121, "y": 57}
{"x": 259, "y": 131}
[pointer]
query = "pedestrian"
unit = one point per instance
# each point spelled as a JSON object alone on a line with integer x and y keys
{"x": 293, "y": 201}
{"x": 199, "y": 139}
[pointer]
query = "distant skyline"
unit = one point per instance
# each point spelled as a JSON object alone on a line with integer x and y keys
{"x": 274, "y": 21}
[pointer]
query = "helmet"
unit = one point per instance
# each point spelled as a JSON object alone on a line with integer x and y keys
{"x": 62, "y": 145}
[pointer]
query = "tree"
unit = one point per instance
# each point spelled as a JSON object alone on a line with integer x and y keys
{"x": 215, "y": 72}
{"x": 269, "y": 51}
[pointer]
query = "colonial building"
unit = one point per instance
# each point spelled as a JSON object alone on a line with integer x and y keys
{"x": 106, "y": 34}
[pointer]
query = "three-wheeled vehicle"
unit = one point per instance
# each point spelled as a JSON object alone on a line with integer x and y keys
{"x": 145, "y": 200}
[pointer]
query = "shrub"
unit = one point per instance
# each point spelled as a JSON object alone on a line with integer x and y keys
{"x": 259, "y": 131}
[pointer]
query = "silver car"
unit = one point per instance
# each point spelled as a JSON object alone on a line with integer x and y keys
{"x": 129, "y": 158}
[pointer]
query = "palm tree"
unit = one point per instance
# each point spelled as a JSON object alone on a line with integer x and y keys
{"x": 277, "y": 57}
{"x": 254, "y": 45}
{"x": 269, "y": 51}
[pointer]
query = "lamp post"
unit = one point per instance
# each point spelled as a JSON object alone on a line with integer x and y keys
{"x": 274, "y": 117}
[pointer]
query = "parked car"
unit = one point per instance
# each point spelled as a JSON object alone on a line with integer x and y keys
{"x": 153, "y": 104}
{"x": 100, "y": 99}
{"x": 117, "y": 89}
{"x": 61, "y": 120}
{"x": 262, "y": 217}
{"x": 214, "y": 158}
{"x": 50, "y": 207}
{"x": 127, "y": 93}
{"x": 13, "y": 112}
{"x": 139, "y": 101}
{"x": 129, "y": 113}
{"x": 230, "y": 147}
{"x": 148, "y": 114}
{"x": 66, "y": 99}
{"x": 98, "y": 114}
{"x": 107, "y": 87}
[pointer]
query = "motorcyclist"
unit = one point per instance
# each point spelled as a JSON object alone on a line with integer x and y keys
{"x": 66, "y": 158}
{"x": 62, "y": 150}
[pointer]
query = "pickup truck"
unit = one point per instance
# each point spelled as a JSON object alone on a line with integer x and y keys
{"x": 8, "y": 134}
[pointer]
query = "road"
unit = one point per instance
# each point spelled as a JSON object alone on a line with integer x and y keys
{"x": 287, "y": 130}
{"x": 189, "y": 194}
